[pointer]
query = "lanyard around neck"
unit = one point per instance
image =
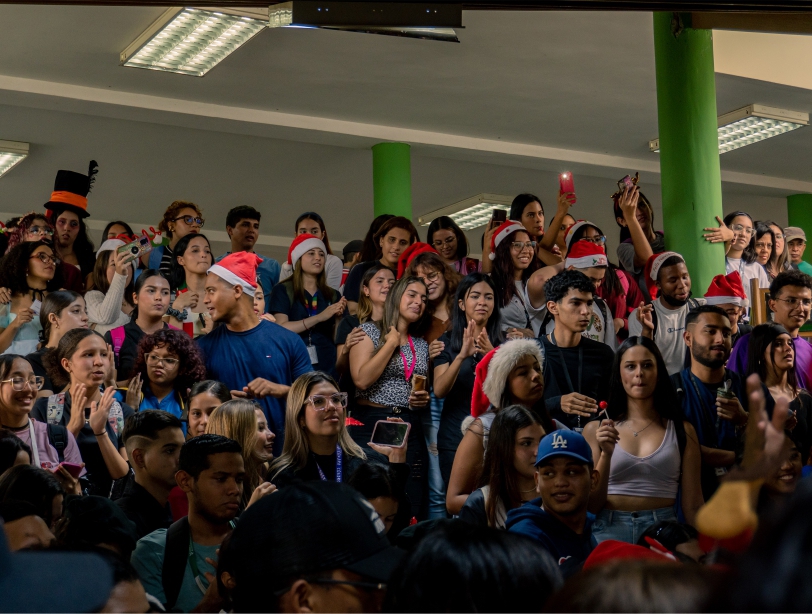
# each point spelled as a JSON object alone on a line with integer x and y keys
{"x": 339, "y": 466}
{"x": 407, "y": 368}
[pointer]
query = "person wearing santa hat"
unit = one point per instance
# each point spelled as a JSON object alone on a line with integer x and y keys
{"x": 663, "y": 320}
{"x": 514, "y": 260}
{"x": 727, "y": 291}
{"x": 508, "y": 375}
{"x": 255, "y": 358}
{"x": 590, "y": 259}
{"x": 305, "y": 304}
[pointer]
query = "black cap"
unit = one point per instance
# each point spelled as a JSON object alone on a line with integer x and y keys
{"x": 97, "y": 520}
{"x": 309, "y": 527}
{"x": 352, "y": 247}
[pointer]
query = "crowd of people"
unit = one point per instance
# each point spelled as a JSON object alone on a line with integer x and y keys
{"x": 404, "y": 427}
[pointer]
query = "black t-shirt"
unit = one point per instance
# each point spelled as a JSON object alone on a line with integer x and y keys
{"x": 352, "y": 286}
{"x": 97, "y": 472}
{"x": 595, "y": 375}
{"x": 348, "y": 322}
{"x": 457, "y": 403}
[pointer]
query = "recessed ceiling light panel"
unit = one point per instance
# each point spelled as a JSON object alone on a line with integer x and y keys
{"x": 751, "y": 124}
{"x": 11, "y": 154}
{"x": 190, "y": 41}
{"x": 472, "y": 212}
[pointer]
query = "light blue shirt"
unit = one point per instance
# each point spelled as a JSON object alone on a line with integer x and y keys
{"x": 268, "y": 273}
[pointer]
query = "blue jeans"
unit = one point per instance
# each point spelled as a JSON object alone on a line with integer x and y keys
{"x": 628, "y": 526}
{"x": 431, "y": 423}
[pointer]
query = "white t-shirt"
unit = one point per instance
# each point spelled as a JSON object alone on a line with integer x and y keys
{"x": 747, "y": 272}
{"x": 668, "y": 336}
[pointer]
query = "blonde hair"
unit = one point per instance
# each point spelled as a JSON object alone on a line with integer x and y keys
{"x": 237, "y": 420}
{"x": 296, "y": 450}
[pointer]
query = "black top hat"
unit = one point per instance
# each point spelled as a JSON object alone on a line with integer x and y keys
{"x": 71, "y": 190}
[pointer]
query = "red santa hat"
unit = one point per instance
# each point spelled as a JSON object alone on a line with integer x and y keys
{"x": 505, "y": 228}
{"x": 726, "y": 289}
{"x": 652, "y": 270}
{"x": 410, "y": 253}
{"x": 586, "y": 255}
{"x": 239, "y": 269}
{"x": 491, "y": 375}
{"x": 302, "y": 244}
{"x": 571, "y": 231}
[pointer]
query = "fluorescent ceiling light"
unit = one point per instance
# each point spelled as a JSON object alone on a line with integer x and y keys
{"x": 472, "y": 212}
{"x": 11, "y": 154}
{"x": 751, "y": 124}
{"x": 192, "y": 41}
{"x": 426, "y": 21}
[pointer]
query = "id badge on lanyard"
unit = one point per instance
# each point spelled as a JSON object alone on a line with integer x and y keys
{"x": 312, "y": 352}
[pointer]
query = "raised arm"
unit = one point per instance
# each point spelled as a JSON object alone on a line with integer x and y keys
{"x": 365, "y": 367}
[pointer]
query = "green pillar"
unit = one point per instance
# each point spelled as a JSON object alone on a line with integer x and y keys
{"x": 392, "y": 179}
{"x": 799, "y": 213}
{"x": 689, "y": 149}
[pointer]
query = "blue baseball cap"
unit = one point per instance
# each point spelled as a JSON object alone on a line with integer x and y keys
{"x": 564, "y": 443}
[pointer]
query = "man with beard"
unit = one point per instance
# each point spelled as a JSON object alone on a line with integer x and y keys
{"x": 663, "y": 321}
{"x": 712, "y": 396}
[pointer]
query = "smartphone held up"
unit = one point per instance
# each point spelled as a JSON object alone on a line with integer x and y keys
{"x": 391, "y": 434}
{"x": 566, "y": 185}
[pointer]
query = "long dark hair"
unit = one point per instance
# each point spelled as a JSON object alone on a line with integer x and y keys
{"x": 446, "y": 223}
{"x": 611, "y": 282}
{"x": 498, "y": 472}
{"x": 749, "y": 253}
{"x": 83, "y": 247}
{"x": 762, "y": 229}
{"x": 760, "y": 339}
{"x": 312, "y": 215}
{"x": 519, "y": 204}
{"x": 502, "y": 271}
{"x": 665, "y": 403}
{"x": 99, "y": 276}
{"x": 369, "y": 249}
{"x": 211, "y": 386}
{"x": 56, "y": 303}
{"x": 779, "y": 263}
{"x": 625, "y": 234}
{"x": 141, "y": 282}
{"x": 431, "y": 260}
{"x": 177, "y": 274}
{"x": 128, "y": 231}
{"x": 52, "y": 359}
{"x": 14, "y": 267}
{"x": 458, "y": 319}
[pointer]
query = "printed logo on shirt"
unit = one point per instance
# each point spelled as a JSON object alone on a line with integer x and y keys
{"x": 559, "y": 441}
{"x": 675, "y": 330}
{"x": 374, "y": 517}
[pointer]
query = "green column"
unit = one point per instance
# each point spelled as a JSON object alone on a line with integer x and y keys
{"x": 689, "y": 149}
{"x": 799, "y": 213}
{"x": 392, "y": 179}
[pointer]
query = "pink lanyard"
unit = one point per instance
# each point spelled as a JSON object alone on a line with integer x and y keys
{"x": 409, "y": 369}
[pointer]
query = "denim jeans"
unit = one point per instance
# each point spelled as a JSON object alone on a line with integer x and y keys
{"x": 436, "y": 486}
{"x": 628, "y": 526}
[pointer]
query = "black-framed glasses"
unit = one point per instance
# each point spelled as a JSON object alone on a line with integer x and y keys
{"x": 320, "y": 401}
{"x": 154, "y": 359}
{"x": 449, "y": 241}
{"x": 35, "y": 382}
{"x": 191, "y": 220}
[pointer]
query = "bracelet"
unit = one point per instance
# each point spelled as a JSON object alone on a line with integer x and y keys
{"x": 180, "y": 316}
{"x": 100, "y": 434}
{"x": 304, "y": 323}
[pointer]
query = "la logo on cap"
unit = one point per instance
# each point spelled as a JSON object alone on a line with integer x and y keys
{"x": 559, "y": 441}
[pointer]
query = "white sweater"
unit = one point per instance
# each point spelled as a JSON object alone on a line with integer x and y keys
{"x": 105, "y": 310}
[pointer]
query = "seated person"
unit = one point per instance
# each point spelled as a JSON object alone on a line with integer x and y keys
{"x": 565, "y": 480}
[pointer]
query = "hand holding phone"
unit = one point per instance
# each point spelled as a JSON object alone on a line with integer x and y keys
{"x": 390, "y": 434}
{"x": 566, "y": 185}
{"x": 72, "y": 468}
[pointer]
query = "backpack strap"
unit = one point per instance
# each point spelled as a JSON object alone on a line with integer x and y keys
{"x": 117, "y": 336}
{"x": 176, "y": 552}
{"x": 56, "y": 408}
{"x": 58, "y": 438}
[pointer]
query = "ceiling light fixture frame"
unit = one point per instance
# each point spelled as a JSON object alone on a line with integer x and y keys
{"x": 11, "y": 154}
{"x": 479, "y": 208}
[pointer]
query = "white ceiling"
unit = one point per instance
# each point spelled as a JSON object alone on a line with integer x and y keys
{"x": 286, "y": 122}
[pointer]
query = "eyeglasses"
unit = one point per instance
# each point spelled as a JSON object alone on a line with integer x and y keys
{"x": 599, "y": 240}
{"x": 191, "y": 220}
{"x": 44, "y": 258}
{"x": 739, "y": 228}
{"x": 519, "y": 246}
{"x": 430, "y": 278}
{"x": 41, "y": 230}
{"x": 154, "y": 359}
{"x": 34, "y": 382}
{"x": 320, "y": 402}
{"x": 449, "y": 241}
{"x": 793, "y": 302}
